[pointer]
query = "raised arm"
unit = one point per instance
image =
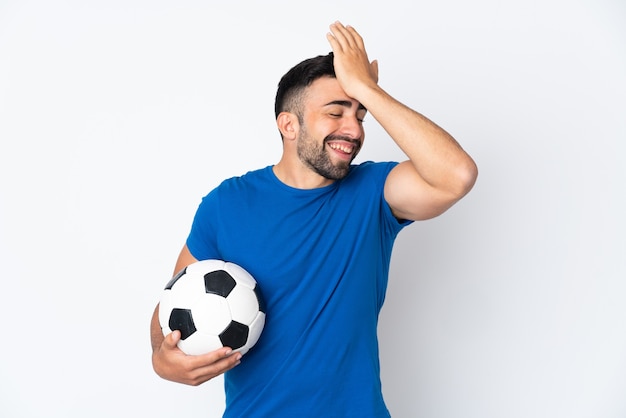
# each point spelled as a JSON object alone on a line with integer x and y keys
{"x": 438, "y": 172}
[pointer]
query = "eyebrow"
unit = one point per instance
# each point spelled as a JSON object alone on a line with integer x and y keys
{"x": 345, "y": 103}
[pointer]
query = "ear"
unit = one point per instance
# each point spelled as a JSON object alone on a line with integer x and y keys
{"x": 288, "y": 125}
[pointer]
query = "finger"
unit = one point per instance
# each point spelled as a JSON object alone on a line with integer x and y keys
{"x": 348, "y": 35}
{"x": 356, "y": 39}
{"x": 215, "y": 363}
{"x": 333, "y": 43}
{"x": 227, "y": 362}
{"x": 172, "y": 339}
{"x": 342, "y": 35}
{"x": 214, "y": 357}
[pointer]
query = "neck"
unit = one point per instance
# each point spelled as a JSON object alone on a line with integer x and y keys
{"x": 300, "y": 176}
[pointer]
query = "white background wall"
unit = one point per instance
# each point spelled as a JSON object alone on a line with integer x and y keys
{"x": 117, "y": 116}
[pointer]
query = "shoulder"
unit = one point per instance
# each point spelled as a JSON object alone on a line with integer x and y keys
{"x": 370, "y": 170}
{"x": 250, "y": 176}
{"x": 366, "y": 179}
{"x": 250, "y": 179}
{"x": 235, "y": 189}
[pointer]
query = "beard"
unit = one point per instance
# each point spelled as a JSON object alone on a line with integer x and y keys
{"x": 316, "y": 156}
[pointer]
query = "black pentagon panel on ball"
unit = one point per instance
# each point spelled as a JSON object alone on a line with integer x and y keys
{"x": 174, "y": 279}
{"x": 259, "y": 298}
{"x": 219, "y": 282}
{"x": 235, "y": 335}
{"x": 182, "y": 320}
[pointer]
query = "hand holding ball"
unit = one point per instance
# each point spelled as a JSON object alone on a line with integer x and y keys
{"x": 213, "y": 304}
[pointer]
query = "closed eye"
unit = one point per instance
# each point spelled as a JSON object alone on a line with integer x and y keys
{"x": 339, "y": 115}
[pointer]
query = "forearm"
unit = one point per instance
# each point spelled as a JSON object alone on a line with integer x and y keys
{"x": 156, "y": 334}
{"x": 435, "y": 154}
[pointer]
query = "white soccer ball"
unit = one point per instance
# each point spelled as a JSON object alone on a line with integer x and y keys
{"x": 213, "y": 304}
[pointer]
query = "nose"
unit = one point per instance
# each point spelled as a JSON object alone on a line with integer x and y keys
{"x": 351, "y": 127}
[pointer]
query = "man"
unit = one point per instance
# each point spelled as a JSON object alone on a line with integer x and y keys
{"x": 316, "y": 232}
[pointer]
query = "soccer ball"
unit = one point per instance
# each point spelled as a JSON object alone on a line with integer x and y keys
{"x": 213, "y": 304}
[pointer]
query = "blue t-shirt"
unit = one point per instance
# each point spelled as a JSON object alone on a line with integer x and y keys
{"x": 321, "y": 259}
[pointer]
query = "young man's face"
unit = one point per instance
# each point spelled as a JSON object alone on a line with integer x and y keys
{"x": 331, "y": 134}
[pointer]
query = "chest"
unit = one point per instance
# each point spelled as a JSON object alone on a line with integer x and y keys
{"x": 294, "y": 245}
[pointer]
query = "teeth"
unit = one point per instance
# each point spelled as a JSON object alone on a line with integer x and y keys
{"x": 344, "y": 148}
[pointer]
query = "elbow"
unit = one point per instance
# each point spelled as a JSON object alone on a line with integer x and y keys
{"x": 462, "y": 179}
{"x": 467, "y": 176}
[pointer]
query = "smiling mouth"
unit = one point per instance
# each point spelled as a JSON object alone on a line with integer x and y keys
{"x": 342, "y": 147}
